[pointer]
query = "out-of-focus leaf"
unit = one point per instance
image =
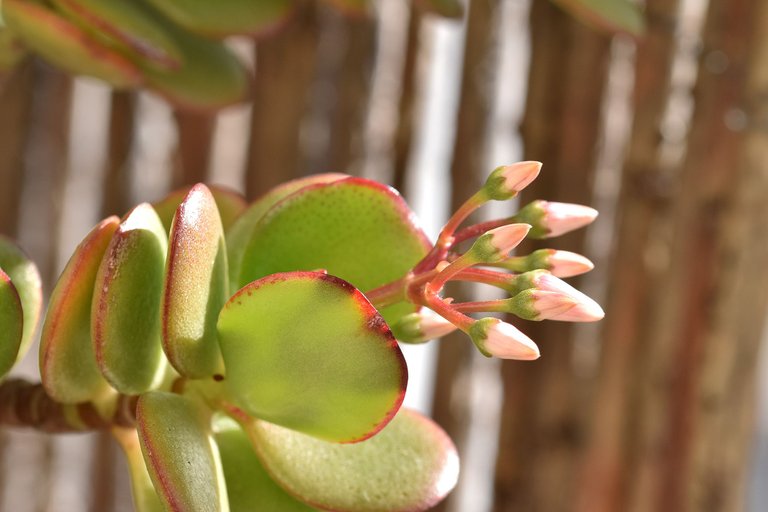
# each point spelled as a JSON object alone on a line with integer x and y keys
{"x": 226, "y": 18}
{"x": 68, "y": 365}
{"x": 249, "y": 486}
{"x": 130, "y": 26}
{"x": 196, "y": 283}
{"x": 66, "y": 45}
{"x": 12, "y": 322}
{"x": 307, "y": 351}
{"x": 238, "y": 235}
{"x": 26, "y": 280}
{"x": 209, "y": 76}
{"x": 231, "y": 205}
{"x": 608, "y": 15}
{"x": 11, "y": 49}
{"x": 355, "y": 228}
{"x": 145, "y": 498}
{"x": 407, "y": 467}
{"x": 180, "y": 453}
{"x": 446, "y": 8}
{"x": 125, "y": 315}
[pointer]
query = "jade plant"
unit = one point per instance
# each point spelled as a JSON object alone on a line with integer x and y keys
{"x": 245, "y": 356}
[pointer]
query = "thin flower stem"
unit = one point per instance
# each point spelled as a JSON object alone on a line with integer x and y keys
{"x": 439, "y": 306}
{"x": 476, "y": 230}
{"x": 464, "y": 262}
{"x": 486, "y": 306}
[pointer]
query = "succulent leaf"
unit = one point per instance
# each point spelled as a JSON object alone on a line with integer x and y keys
{"x": 66, "y": 45}
{"x": 230, "y": 204}
{"x": 145, "y": 498}
{"x": 307, "y": 351}
{"x": 249, "y": 486}
{"x": 180, "y": 453}
{"x": 226, "y": 18}
{"x": 26, "y": 279}
{"x": 196, "y": 283}
{"x": 12, "y": 322}
{"x": 125, "y": 315}
{"x": 409, "y": 466}
{"x": 68, "y": 365}
{"x": 242, "y": 229}
{"x": 355, "y": 228}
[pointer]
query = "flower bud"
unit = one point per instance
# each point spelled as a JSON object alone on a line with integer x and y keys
{"x": 586, "y": 309}
{"x": 559, "y": 263}
{"x": 533, "y": 304}
{"x": 506, "y": 181}
{"x": 495, "y": 245}
{"x": 550, "y": 219}
{"x": 500, "y": 339}
{"x": 421, "y": 327}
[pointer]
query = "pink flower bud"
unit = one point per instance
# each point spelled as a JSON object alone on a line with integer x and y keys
{"x": 558, "y": 306}
{"x": 560, "y": 218}
{"x": 495, "y": 245}
{"x": 421, "y": 327}
{"x": 568, "y": 264}
{"x": 506, "y": 181}
{"x": 585, "y": 309}
{"x": 500, "y": 339}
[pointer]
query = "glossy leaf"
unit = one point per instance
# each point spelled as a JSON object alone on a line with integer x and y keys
{"x": 307, "y": 351}
{"x": 192, "y": 84}
{"x": 66, "y": 45}
{"x": 26, "y": 280}
{"x": 130, "y": 26}
{"x": 68, "y": 365}
{"x": 145, "y": 498}
{"x": 242, "y": 229}
{"x": 195, "y": 286}
{"x": 180, "y": 453}
{"x": 11, "y": 323}
{"x": 409, "y": 466}
{"x": 356, "y": 229}
{"x": 609, "y": 15}
{"x": 226, "y": 18}
{"x": 230, "y": 204}
{"x": 126, "y": 304}
{"x": 249, "y": 486}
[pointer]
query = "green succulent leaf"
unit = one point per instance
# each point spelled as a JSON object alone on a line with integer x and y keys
{"x": 226, "y": 18}
{"x": 12, "y": 322}
{"x": 145, "y": 498}
{"x": 249, "y": 486}
{"x": 195, "y": 286}
{"x": 355, "y": 228}
{"x": 609, "y": 15}
{"x": 125, "y": 315}
{"x": 180, "y": 453}
{"x": 131, "y": 27}
{"x": 231, "y": 205}
{"x": 68, "y": 365}
{"x": 407, "y": 467}
{"x": 66, "y": 45}
{"x": 242, "y": 229}
{"x": 26, "y": 280}
{"x": 308, "y": 351}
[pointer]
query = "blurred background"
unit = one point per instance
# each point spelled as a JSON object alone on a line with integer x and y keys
{"x": 656, "y": 408}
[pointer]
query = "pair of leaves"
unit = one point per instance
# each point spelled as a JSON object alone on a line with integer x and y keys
{"x": 410, "y": 465}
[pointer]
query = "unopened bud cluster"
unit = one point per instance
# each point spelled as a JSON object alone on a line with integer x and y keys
{"x": 533, "y": 281}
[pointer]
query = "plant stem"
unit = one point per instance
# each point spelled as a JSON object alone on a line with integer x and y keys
{"x": 26, "y": 404}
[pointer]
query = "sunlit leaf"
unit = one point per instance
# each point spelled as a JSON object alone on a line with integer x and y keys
{"x": 230, "y": 204}
{"x": 11, "y": 322}
{"x": 125, "y": 314}
{"x": 356, "y": 229}
{"x": 609, "y": 15}
{"x": 226, "y": 18}
{"x": 66, "y": 45}
{"x": 195, "y": 286}
{"x": 242, "y": 229}
{"x": 26, "y": 280}
{"x": 180, "y": 453}
{"x": 249, "y": 486}
{"x": 307, "y": 351}
{"x": 68, "y": 365}
{"x": 407, "y": 467}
